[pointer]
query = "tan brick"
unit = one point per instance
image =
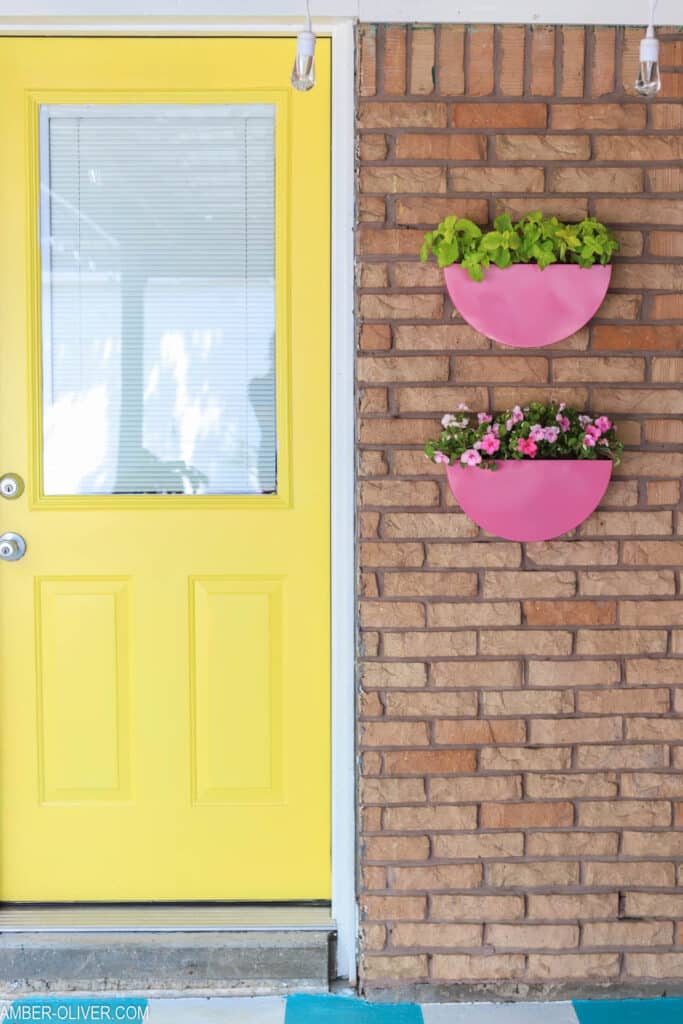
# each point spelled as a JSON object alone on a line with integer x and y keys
{"x": 394, "y": 908}
{"x": 667, "y": 371}
{"x": 426, "y": 584}
{"x": 429, "y": 762}
{"x": 394, "y": 60}
{"x": 427, "y": 211}
{"x": 572, "y": 844}
{"x": 438, "y": 876}
{"x": 388, "y": 241}
{"x": 596, "y": 179}
{"x": 620, "y": 307}
{"x": 407, "y": 306}
{"x": 480, "y": 60}
{"x": 398, "y": 178}
{"x": 511, "y": 43}
{"x": 451, "y": 60}
{"x": 602, "y": 73}
{"x": 621, "y": 492}
{"x": 654, "y": 672}
{"x": 533, "y": 874}
{"x": 624, "y": 813}
{"x": 572, "y": 63}
{"x": 570, "y": 613}
{"x": 491, "y": 674}
{"x": 438, "y": 337}
{"x": 384, "y": 431}
{"x": 371, "y": 209}
{"x": 394, "y": 492}
{"x": 467, "y": 613}
{"x": 391, "y": 848}
{"x": 568, "y": 730}
{"x": 654, "y": 965}
{"x": 368, "y": 523}
{"x": 654, "y": 464}
{"x": 629, "y": 874}
{"x": 650, "y": 904}
{"x": 580, "y": 906}
{"x": 637, "y": 211}
{"x": 565, "y": 207}
{"x": 654, "y": 844}
{"x": 544, "y": 147}
{"x": 367, "y": 79}
{"x": 666, "y": 276}
{"x": 505, "y": 398}
{"x": 666, "y": 307}
{"x": 393, "y": 674}
{"x": 478, "y": 908}
{"x": 373, "y": 400}
{"x": 572, "y": 552}
{"x": 435, "y": 935}
{"x": 462, "y": 967}
{"x": 392, "y": 555}
{"x": 475, "y": 788}
{"x": 665, "y": 179}
{"x": 430, "y": 705}
{"x": 373, "y": 147}
{"x": 598, "y": 116}
{"x": 422, "y": 60}
{"x": 629, "y": 523}
{"x": 429, "y": 645}
{"x": 501, "y": 369}
{"x": 639, "y": 147}
{"x": 394, "y": 734}
{"x": 651, "y": 613}
{"x": 392, "y": 791}
{"x": 621, "y": 641}
{"x": 653, "y": 552}
{"x": 629, "y": 58}
{"x": 438, "y": 400}
{"x": 394, "y": 968}
{"x": 652, "y": 785}
{"x": 378, "y": 614}
{"x": 529, "y": 584}
{"x": 610, "y": 369}
{"x": 527, "y": 815}
{"x": 444, "y": 146}
{"x": 523, "y": 702}
{"x": 483, "y": 845}
{"x": 373, "y": 937}
{"x": 496, "y": 179}
{"x": 666, "y": 243}
{"x": 628, "y": 933}
{"x": 473, "y": 555}
{"x": 479, "y": 732}
{"x": 525, "y": 759}
{"x": 623, "y": 702}
{"x": 534, "y": 641}
{"x": 542, "y": 60}
{"x": 429, "y": 819}
{"x": 557, "y": 786}
{"x": 581, "y": 965}
{"x": 631, "y": 755}
{"x": 369, "y": 644}
{"x": 532, "y": 936}
{"x": 654, "y": 729}
{"x": 627, "y": 583}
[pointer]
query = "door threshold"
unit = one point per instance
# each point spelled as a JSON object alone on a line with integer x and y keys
{"x": 172, "y": 918}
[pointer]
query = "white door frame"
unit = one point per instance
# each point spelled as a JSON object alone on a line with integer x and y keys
{"x": 341, "y": 31}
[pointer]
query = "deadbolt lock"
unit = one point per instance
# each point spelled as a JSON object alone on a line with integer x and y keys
{"x": 11, "y": 486}
{"x": 12, "y": 547}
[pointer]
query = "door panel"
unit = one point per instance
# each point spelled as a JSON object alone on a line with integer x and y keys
{"x": 164, "y": 642}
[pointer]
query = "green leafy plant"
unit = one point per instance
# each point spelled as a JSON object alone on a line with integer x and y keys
{"x": 533, "y": 239}
{"x": 534, "y": 431}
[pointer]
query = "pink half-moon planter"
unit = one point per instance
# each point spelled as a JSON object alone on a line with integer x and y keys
{"x": 528, "y": 500}
{"x": 526, "y": 307}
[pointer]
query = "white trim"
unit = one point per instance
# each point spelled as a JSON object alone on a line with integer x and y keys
{"x": 220, "y": 16}
{"x": 344, "y": 906}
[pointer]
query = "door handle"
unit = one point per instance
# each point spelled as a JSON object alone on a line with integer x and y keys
{"x": 12, "y": 547}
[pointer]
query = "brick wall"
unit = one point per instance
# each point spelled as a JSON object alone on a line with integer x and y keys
{"x": 520, "y": 726}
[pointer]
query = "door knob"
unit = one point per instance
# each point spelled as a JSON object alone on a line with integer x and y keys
{"x": 12, "y": 547}
{"x": 11, "y": 486}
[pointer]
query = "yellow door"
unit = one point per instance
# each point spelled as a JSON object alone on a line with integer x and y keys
{"x": 164, "y": 395}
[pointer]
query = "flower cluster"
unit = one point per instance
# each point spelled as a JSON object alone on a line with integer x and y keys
{"x": 533, "y": 431}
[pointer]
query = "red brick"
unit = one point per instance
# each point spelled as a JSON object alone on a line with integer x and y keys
{"x": 480, "y": 61}
{"x": 527, "y": 815}
{"x": 570, "y": 613}
{"x": 630, "y": 336}
{"x": 572, "y": 61}
{"x": 429, "y": 762}
{"x": 602, "y": 70}
{"x": 542, "y": 60}
{"x": 451, "y": 60}
{"x": 511, "y": 43}
{"x": 499, "y": 115}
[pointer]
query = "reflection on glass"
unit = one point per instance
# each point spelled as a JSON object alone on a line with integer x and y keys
{"x": 157, "y": 235}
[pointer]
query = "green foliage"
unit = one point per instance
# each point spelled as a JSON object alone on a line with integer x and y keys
{"x": 533, "y": 239}
{"x": 534, "y": 431}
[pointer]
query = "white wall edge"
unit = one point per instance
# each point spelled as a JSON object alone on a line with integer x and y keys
{"x": 25, "y": 17}
{"x": 342, "y": 454}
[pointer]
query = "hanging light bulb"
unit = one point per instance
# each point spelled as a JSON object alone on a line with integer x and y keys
{"x": 648, "y": 82}
{"x": 303, "y": 72}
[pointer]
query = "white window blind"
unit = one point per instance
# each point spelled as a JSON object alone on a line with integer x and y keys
{"x": 158, "y": 285}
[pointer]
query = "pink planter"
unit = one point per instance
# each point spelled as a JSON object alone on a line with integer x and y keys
{"x": 526, "y": 307}
{"x": 530, "y": 500}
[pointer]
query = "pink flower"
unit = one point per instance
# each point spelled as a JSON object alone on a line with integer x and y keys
{"x": 490, "y": 444}
{"x": 583, "y": 420}
{"x": 496, "y": 429}
{"x": 440, "y": 457}
{"x": 563, "y": 421}
{"x": 484, "y": 417}
{"x": 562, "y": 406}
{"x": 588, "y": 441}
{"x": 527, "y": 447}
{"x": 551, "y": 434}
{"x": 463, "y": 407}
{"x": 603, "y": 440}
{"x": 448, "y": 420}
{"x": 603, "y": 423}
{"x": 470, "y": 458}
{"x": 537, "y": 433}
{"x": 516, "y": 416}
{"x": 593, "y": 431}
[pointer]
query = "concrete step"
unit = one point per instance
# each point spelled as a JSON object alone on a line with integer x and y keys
{"x": 249, "y": 962}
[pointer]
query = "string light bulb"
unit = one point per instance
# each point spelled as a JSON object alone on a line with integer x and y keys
{"x": 303, "y": 72}
{"x": 648, "y": 82}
